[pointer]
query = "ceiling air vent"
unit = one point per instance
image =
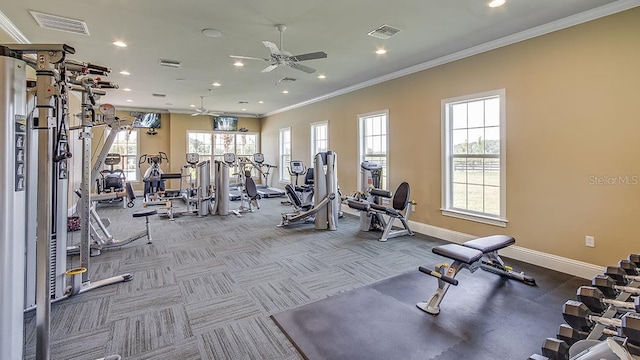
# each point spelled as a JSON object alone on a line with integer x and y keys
{"x": 55, "y": 22}
{"x": 384, "y": 32}
{"x": 158, "y": 95}
{"x": 169, "y": 63}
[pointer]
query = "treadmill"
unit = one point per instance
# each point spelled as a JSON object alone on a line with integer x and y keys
{"x": 263, "y": 189}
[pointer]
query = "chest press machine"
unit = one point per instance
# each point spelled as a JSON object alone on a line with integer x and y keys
{"x": 474, "y": 254}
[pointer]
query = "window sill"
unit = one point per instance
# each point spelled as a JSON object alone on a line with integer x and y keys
{"x": 474, "y": 217}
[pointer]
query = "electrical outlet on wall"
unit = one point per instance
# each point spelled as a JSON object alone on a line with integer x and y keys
{"x": 590, "y": 241}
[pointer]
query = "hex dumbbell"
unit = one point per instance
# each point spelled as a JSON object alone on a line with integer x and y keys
{"x": 595, "y": 300}
{"x": 619, "y": 275}
{"x": 578, "y": 316}
{"x": 570, "y": 335}
{"x": 609, "y": 288}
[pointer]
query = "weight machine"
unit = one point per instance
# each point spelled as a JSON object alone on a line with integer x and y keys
{"x": 35, "y": 184}
{"x": 326, "y": 209}
{"x": 197, "y": 195}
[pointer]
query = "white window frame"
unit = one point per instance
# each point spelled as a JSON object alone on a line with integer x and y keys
{"x": 314, "y": 140}
{"x": 447, "y": 161}
{"x": 212, "y": 134}
{"x": 136, "y": 133}
{"x": 361, "y": 145}
{"x": 285, "y": 177}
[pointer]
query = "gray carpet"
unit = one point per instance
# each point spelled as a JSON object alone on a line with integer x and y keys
{"x": 485, "y": 317}
{"x": 206, "y": 287}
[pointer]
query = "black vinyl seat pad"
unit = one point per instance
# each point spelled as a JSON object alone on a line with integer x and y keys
{"x": 490, "y": 243}
{"x": 458, "y": 252}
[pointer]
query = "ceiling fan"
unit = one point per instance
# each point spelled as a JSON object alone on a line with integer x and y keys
{"x": 202, "y": 110}
{"x": 280, "y": 57}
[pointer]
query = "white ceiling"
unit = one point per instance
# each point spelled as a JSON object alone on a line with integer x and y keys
{"x": 167, "y": 29}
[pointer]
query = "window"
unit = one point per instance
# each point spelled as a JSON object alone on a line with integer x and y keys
{"x": 125, "y": 144}
{"x": 373, "y": 141}
{"x": 213, "y": 145}
{"x": 285, "y": 154}
{"x": 201, "y": 144}
{"x": 474, "y": 157}
{"x": 319, "y": 138}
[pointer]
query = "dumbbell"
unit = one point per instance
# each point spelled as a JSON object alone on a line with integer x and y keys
{"x": 595, "y": 300}
{"x": 555, "y": 349}
{"x": 570, "y": 335}
{"x": 578, "y": 316}
{"x": 635, "y": 258}
{"x": 609, "y": 288}
{"x": 619, "y": 275}
{"x": 629, "y": 267}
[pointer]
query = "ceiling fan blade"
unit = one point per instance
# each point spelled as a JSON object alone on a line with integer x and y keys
{"x": 247, "y": 57}
{"x": 307, "y": 69}
{"x": 269, "y": 68}
{"x": 309, "y": 56}
{"x": 272, "y": 47}
{"x": 195, "y": 114}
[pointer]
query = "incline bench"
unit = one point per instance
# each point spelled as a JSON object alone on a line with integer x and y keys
{"x": 479, "y": 253}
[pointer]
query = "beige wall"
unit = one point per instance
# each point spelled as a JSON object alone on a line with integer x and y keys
{"x": 571, "y": 115}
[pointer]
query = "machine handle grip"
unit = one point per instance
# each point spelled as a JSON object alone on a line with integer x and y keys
{"x": 434, "y": 273}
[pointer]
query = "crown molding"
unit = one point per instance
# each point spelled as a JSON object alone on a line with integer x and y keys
{"x": 573, "y": 20}
{"x": 12, "y": 30}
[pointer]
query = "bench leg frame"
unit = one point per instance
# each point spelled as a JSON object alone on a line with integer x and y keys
{"x": 432, "y": 305}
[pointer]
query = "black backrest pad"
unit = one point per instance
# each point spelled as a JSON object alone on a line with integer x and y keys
{"x": 250, "y": 187}
{"x": 402, "y": 196}
{"x": 292, "y": 195}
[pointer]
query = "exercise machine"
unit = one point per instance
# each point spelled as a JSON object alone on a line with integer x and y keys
{"x": 304, "y": 192}
{"x": 34, "y": 182}
{"x": 221, "y": 178}
{"x": 197, "y": 196}
{"x": 326, "y": 208}
{"x": 372, "y": 214}
{"x": 481, "y": 253}
{"x": 111, "y": 180}
{"x": 264, "y": 190}
{"x": 246, "y": 187}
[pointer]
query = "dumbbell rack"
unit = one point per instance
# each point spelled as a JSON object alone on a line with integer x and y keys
{"x": 623, "y": 283}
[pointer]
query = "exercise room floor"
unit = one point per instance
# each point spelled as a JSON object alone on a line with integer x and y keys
{"x": 206, "y": 287}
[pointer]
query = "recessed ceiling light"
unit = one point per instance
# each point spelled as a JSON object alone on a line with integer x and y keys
{"x": 129, "y": 100}
{"x": 211, "y": 33}
{"x": 238, "y": 63}
{"x": 216, "y": 84}
{"x": 192, "y": 105}
{"x": 126, "y": 89}
{"x": 322, "y": 76}
{"x": 496, "y": 3}
{"x": 381, "y": 51}
{"x": 124, "y": 72}
{"x": 285, "y": 91}
{"x": 260, "y": 102}
{"x": 244, "y": 109}
{"x": 119, "y": 44}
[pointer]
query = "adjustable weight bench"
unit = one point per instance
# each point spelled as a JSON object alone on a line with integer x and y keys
{"x": 472, "y": 255}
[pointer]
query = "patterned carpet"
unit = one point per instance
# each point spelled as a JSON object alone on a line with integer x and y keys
{"x": 206, "y": 287}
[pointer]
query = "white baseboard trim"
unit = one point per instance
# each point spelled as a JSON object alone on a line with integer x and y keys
{"x": 558, "y": 263}
{"x": 549, "y": 261}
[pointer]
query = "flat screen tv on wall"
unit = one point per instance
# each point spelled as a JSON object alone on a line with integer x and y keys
{"x": 225, "y": 123}
{"x": 146, "y": 119}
